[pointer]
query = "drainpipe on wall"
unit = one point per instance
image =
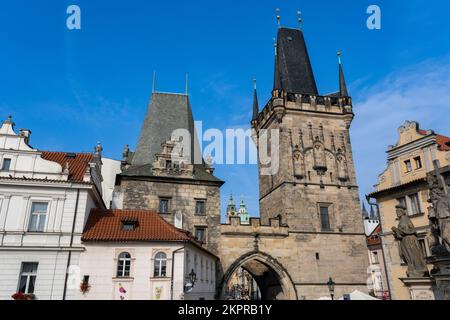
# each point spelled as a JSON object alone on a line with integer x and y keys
{"x": 71, "y": 244}
{"x": 382, "y": 246}
{"x": 172, "y": 271}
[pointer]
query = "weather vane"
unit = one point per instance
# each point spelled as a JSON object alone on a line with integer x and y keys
{"x": 278, "y": 17}
{"x": 339, "y": 53}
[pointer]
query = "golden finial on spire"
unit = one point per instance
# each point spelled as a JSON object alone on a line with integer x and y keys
{"x": 277, "y": 10}
{"x": 339, "y": 53}
{"x": 300, "y": 19}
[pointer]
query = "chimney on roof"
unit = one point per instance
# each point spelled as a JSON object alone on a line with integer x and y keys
{"x": 25, "y": 133}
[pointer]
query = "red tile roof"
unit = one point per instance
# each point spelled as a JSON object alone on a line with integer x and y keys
{"x": 77, "y": 164}
{"x": 374, "y": 238}
{"x": 442, "y": 141}
{"x": 106, "y": 225}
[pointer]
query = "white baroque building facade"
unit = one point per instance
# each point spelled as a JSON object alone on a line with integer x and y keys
{"x": 45, "y": 199}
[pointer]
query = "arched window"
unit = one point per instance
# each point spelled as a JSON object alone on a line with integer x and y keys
{"x": 124, "y": 265}
{"x": 160, "y": 269}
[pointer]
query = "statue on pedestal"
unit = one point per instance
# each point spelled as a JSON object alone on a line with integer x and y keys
{"x": 409, "y": 247}
{"x": 439, "y": 215}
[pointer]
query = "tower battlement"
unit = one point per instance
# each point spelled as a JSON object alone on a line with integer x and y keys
{"x": 304, "y": 102}
{"x": 256, "y": 227}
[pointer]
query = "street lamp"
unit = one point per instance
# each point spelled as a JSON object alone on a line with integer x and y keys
{"x": 193, "y": 277}
{"x": 191, "y": 281}
{"x": 331, "y": 284}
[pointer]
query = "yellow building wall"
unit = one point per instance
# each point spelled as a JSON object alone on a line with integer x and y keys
{"x": 397, "y": 175}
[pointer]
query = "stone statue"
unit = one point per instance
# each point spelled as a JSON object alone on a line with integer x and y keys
{"x": 409, "y": 247}
{"x": 299, "y": 171}
{"x": 342, "y": 168}
{"x": 439, "y": 214}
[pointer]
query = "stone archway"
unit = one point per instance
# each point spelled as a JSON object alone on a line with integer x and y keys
{"x": 273, "y": 280}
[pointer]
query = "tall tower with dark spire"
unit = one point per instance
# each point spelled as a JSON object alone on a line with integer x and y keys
{"x": 314, "y": 190}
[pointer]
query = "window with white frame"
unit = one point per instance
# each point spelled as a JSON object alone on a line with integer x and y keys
{"x": 28, "y": 276}
{"x": 124, "y": 265}
{"x": 415, "y": 203}
{"x": 412, "y": 204}
{"x": 160, "y": 268}
{"x": 38, "y": 216}
{"x": 6, "y": 165}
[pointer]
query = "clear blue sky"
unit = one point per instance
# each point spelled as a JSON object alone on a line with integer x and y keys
{"x": 74, "y": 88}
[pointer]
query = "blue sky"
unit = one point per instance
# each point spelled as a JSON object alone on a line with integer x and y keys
{"x": 74, "y": 88}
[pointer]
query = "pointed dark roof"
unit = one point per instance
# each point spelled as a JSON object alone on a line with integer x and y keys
{"x": 293, "y": 71}
{"x": 166, "y": 113}
{"x": 342, "y": 85}
{"x": 255, "y": 104}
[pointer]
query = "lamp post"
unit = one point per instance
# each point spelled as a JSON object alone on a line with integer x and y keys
{"x": 331, "y": 284}
{"x": 191, "y": 281}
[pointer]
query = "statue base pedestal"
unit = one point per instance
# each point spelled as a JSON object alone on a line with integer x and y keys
{"x": 420, "y": 288}
{"x": 441, "y": 276}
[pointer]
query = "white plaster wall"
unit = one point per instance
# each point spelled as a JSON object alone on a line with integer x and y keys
{"x": 205, "y": 287}
{"x": 99, "y": 261}
{"x": 49, "y": 248}
{"x": 110, "y": 169}
{"x": 50, "y": 274}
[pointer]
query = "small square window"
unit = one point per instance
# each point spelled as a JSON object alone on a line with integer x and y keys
{"x": 418, "y": 163}
{"x": 164, "y": 205}
{"x": 408, "y": 166}
{"x": 200, "y": 234}
{"x": 6, "y": 166}
{"x": 129, "y": 225}
{"x": 200, "y": 208}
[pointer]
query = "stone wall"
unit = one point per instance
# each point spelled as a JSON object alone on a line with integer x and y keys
{"x": 308, "y": 259}
{"x": 145, "y": 195}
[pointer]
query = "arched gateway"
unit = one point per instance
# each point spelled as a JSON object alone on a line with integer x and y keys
{"x": 272, "y": 278}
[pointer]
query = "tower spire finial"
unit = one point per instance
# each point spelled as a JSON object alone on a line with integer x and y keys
{"x": 187, "y": 84}
{"x": 300, "y": 19}
{"x": 342, "y": 84}
{"x": 277, "y": 10}
{"x": 255, "y": 102}
{"x": 154, "y": 82}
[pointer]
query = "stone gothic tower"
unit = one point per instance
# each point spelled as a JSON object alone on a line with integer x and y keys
{"x": 314, "y": 190}
{"x": 163, "y": 177}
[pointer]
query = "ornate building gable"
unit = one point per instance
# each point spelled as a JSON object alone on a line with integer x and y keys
{"x": 20, "y": 161}
{"x": 412, "y": 156}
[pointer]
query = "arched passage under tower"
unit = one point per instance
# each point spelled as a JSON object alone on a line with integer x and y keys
{"x": 272, "y": 279}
